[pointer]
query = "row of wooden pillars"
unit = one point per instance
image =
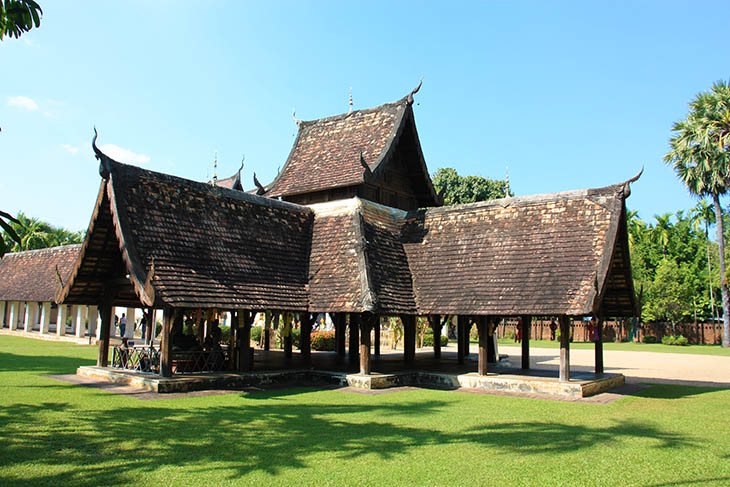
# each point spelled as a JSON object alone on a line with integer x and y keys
{"x": 360, "y": 326}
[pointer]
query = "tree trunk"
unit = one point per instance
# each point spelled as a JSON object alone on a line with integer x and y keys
{"x": 723, "y": 279}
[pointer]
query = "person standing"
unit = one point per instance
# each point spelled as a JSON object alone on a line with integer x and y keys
{"x": 122, "y": 324}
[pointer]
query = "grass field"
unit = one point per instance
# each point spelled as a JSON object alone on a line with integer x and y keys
{"x": 55, "y": 433}
{"x": 628, "y": 347}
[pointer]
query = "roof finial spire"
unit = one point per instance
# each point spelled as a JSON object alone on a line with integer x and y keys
{"x": 294, "y": 116}
{"x": 506, "y": 184}
{"x": 350, "y": 100}
{"x": 215, "y": 168}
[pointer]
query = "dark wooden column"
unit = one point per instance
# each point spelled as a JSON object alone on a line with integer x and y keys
{"x": 353, "y": 350}
{"x": 340, "y": 321}
{"x": 483, "y": 329}
{"x": 467, "y": 328}
{"x": 289, "y": 329}
{"x": 305, "y": 337}
{"x": 491, "y": 336}
{"x": 234, "y": 344}
{"x": 366, "y": 325}
{"x": 460, "y": 331}
{"x": 147, "y": 325}
{"x": 268, "y": 316}
{"x": 409, "y": 338}
{"x": 564, "y": 348}
{"x": 599, "y": 345}
{"x": 245, "y": 320}
{"x": 169, "y": 315}
{"x": 526, "y": 330}
{"x": 105, "y": 309}
{"x": 376, "y": 336}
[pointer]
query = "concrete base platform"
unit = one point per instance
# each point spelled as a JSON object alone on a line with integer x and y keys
{"x": 509, "y": 382}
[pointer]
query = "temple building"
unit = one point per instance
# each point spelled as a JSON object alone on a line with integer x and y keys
{"x": 352, "y": 227}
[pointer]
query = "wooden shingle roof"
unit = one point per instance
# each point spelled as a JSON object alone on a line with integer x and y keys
{"x": 189, "y": 244}
{"x": 32, "y": 276}
{"x": 542, "y": 255}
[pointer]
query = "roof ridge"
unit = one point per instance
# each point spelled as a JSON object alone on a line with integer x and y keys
{"x": 43, "y": 250}
{"x": 343, "y": 116}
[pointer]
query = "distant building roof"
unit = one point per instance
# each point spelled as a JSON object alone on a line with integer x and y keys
{"x": 32, "y": 276}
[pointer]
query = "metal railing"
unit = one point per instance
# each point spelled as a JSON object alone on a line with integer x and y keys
{"x": 197, "y": 361}
{"x": 138, "y": 359}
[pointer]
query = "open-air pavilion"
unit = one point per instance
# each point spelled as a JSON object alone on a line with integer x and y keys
{"x": 351, "y": 227}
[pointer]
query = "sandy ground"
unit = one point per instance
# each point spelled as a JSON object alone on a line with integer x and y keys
{"x": 637, "y": 367}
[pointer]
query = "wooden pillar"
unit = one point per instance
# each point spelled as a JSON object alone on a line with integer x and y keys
{"x": 491, "y": 336}
{"x": 376, "y": 336}
{"x": 599, "y": 345}
{"x": 460, "y": 327}
{"x": 409, "y": 338}
{"x": 353, "y": 350}
{"x": 467, "y": 329}
{"x": 106, "y": 310}
{"x": 436, "y": 325}
{"x": 340, "y": 325}
{"x": 245, "y": 320}
{"x": 234, "y": 342}
{"x": 267, "y": 327}
{"x": 564, "y": 348}
{"x": 168, "y": 316}
{"x": 366, "y": 325}
{"x": 483, "y": 329}
{"x": 305, "y": 337}
{"x": 288, "y": 318}
{"x": 526, "y": 327}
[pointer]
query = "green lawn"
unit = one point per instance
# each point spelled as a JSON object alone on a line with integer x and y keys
{"x": 55, "y": 433}
{"x": 629, "y": 346}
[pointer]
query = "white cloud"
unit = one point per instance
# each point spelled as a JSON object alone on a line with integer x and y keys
{"x": 22, "y": 102}
{"x": 70, "y": 148}
{"x": 123, "y": 155}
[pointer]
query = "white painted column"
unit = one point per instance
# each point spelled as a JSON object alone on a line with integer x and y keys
{"x": 94, "y": 329}
{"x": 31, "y": 315}
{"x": 13, "y": 318}
{"x": 129, "y": 330}
{"x": 73, "y": 313}
{"x": 61, "y": 320}
{"x": 81, "y": 321}
{"x": 2, "y": 314}
{"x": 45, "y": 316}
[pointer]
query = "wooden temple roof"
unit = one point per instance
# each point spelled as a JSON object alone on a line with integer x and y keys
{"x": 354, "y": 148}
{"x": 182, "y": 243}
{"x": 33, "y": 275}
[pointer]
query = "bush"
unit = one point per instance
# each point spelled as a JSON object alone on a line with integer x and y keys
{"x": 649, "y": 339}
{"x": 294, "y": 335}
{"x": 225, "y": 335}
{"x": 323, "y": 340}
{"x": 674, "y": 340}
{"x": 510, "y": 335}
{"x": 428, "y": 340}
{"x": 256, "y": 333}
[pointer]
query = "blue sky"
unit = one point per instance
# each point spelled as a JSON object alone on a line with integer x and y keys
{"x": 567, "y": 94}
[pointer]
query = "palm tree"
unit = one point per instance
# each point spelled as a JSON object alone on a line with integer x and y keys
{"x": 704, "y": 213}
{"x": 700, "y": 155}
{"x": 662, "y": 231}
{"x": 9, "y": 230}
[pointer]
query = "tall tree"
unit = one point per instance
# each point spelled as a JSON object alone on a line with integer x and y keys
{"x": 5, "y": 223}
{"x": 18, "y": 16}
{"x": 705, "y": 215}
{"x": 699, "y": 153}
{"x": 467, "y": 189}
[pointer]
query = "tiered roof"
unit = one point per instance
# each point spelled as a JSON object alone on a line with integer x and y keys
{"x": 33, "y": 275}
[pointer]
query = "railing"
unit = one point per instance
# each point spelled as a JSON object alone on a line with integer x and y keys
{"x": 138, "y": 359}
{"x": 197, "y": 361}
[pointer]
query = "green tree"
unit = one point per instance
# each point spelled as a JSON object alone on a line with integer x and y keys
{"x": 467, "y": 189}
{"x": 669, "y": 298}
{"x": 5, "y": 223}
{"x": 704, "y": 214}
{"x": 699, "y": 155}
{"x": 35, "y": 234}
{"x": 18, "y": 17}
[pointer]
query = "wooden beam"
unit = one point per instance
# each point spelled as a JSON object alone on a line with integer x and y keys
{"x": 168, "y": 316}
{"x": 467, "y": 329}
{"x": 460, "y": 331}
{"x": 526, "y": 329}
{"x": 233, "y": 344}
{"x": 564, "y": 348}
{"x": 267, "y": 327}
{"x": 491, "y": 349}
{"x": 353, "y": 348}
{"x": 288, "y": 326}
{"x": 483, "y": 328}
{"x": 376, "y": 336}
{"x": 599, "y": 346}
{"x": 436, "y": 325}
{"x": 366, "y": 326}
{"x": 245, "y": 320}
{"x": 105, "y": 309}
{"x": 340, "y": 321}
{"x": 305, "y": 337}
{"x": 409, "y": 338}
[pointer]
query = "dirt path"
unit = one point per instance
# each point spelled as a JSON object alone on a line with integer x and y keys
{"x": 651, "y": 367}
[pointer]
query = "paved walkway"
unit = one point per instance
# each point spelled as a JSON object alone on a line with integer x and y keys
{"x": 637, "y": 367}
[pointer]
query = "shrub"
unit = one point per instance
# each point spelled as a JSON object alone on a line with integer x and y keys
{"x": 256, "y": 333}
{"x": 294, "y": 335}
{"x": 674, "y": 340}
{"x": 668, "y": 340}
{"x": 428, "y": 340}
{"x": 225, "y": 334}
{"x": 510, "y": 335}
{"x": 323, "y": 340}
{"x": 649, "y": 339}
